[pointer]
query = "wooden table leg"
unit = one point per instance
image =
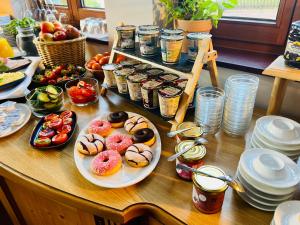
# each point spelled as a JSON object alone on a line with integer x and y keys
{"x": 277, "y": 95}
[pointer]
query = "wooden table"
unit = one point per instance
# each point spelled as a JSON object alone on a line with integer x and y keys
{"x": 282, "y": 74}
{"x": 45, "y": 187}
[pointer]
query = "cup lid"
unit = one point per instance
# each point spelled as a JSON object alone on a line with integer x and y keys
{"x": 169, "y": 91}
{"x": 137, "y": 77}
{"x": 110, "y": 66}
{"x": 124, "y": 72}
{"x": 195, "y": 154}
{"x": 199, "y": 36}
{"x": 169, "y": 77}
{"x": 126, "y": 27}
{"x": 172, "y": 37}
{"x": 150, "y": 84}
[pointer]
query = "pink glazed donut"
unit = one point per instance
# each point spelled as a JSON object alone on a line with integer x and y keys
{"x": 106, "y": 163}
{"x": 101, "y": 127}
{"x": 118, "y": 142}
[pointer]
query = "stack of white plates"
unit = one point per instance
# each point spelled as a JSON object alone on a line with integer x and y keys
{"x": 277, "y": 133}
{"x": 269, "y": 178}
{"x": 287, "y": 213}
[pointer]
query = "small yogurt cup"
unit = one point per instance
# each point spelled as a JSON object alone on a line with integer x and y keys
{"x": 154, "y": 72}
{"x": 109, "y": 77}
{"x": 134, "y": 85}
{"x": 120, "y": 76}
{"x": 169, "y": 97}
{"x": 168, "y": 78}
{"x": 150, "y": 93}
{"x": 170, "y": 32}
{"x": 142, "y": 67}
{"x": 208, "y": 193}
{"x": 193, "y": 39}
{"x": 126, "y": 36}
{"x": 149, "y": 42}
{"x": 182, "y": 84}
{"x": 171, "y": 48}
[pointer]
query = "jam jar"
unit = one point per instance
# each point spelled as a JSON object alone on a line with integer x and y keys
{"x": 191, "y": 134}
{"x": 292, "y": 51}
{"x": 126, "y": 35}
{"x": 208, "y": 193}
{"x": 192, "y": 158}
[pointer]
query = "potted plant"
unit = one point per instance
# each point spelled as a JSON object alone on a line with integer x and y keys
{"x": 196, "y": 15}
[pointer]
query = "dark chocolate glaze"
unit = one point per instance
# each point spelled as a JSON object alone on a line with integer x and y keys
{"x": 143, "y": 135}
{"x": 117, "y": 117}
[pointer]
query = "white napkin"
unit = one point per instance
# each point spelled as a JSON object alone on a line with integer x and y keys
{"x": 21, "y": 90}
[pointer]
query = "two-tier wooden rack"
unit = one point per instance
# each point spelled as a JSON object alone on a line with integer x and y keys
{"x": 185, "y": 69}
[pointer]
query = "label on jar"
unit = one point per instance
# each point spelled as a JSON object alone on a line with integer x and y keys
{"x": 192, "y": 49}
{"x": 148, "y": 44}
{"x": 127, "y": 39}
{"x": 170, "y": 91}
{"x": 170, "y": 51}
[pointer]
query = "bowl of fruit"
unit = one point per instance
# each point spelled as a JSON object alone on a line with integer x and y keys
{"x": 94, "y": 65}
{"x": 54, "y": 130}
{"x": 45, "y": 100}
{"x": 58, "y": 75}
{"x": 82, "y": 92}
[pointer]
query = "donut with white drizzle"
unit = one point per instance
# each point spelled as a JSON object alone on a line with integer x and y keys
{"x": 139, "y": 155}
{"x": 135, "y": 123}
{"x": 90, "y": 144}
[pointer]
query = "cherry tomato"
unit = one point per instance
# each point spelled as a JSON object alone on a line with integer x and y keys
{"x": 65, "y": 129}
{"x": 87, "y": 92}
{"x": 66, "y": 114}
{"x": 60, "y": 138}
{"x": 51, "y": 116}
{"x": 56, "y": 123}
{"x": 42, "y": 142}
{"x": 67, "y": 121}
{"x": 47, "y": 133}
{"x": 104, "y": 60}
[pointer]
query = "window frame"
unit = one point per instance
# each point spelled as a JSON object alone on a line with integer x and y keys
{"x": 264, "y": 36}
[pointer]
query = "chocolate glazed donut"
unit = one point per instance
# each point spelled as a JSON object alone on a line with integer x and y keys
{"x": 145, "y": 135}
{"x": 117, "y": 119}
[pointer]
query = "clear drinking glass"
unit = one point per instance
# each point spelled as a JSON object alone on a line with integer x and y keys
{"x": 209, "y": 108}
{"x": 240, "y": 97}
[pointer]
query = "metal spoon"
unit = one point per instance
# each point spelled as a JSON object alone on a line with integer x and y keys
{"x": 198, "y": 141}
{"x": 175, "y": 132}
{"x": 235, "y": 184}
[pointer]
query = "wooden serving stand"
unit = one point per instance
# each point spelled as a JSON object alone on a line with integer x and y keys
{"x": 185, "y": 69}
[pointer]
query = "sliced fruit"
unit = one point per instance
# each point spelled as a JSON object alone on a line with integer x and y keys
{"x": 56, "y": 123}
{"x": 43, "y": 97}
{"x": 52, "y": 96}
{"x": 42, "y": 142}
{"x": 51, "y": 116}
{"x": 51, "y": 90}
{"x": 49, "y": 133}
{"x": 67, "y": 121}
{"x": 60, "y": 138}
{"x": 66, "y": 114}
{"x": 65, "y": 129}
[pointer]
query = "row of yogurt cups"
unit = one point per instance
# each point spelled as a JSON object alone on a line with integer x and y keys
{"x": 152, "y": 39}
{"x": 153, "y": 86}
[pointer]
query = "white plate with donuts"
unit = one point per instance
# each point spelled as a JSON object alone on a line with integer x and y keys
{"x": 120, "y": 156}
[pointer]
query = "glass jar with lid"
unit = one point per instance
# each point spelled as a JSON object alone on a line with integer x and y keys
{"x": 208, "y": 193}
{"x": 192, "y": 158}
{"x": 25, "y": 39}
{"x": 191, "y": 134}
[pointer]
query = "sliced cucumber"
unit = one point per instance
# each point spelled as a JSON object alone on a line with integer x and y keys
{"x": 54, "y": 100}
{"x": 43, "y": 97}
{"x": 51, "y": 96}
{"x": 51, "y": 90}
{"x": 50, "y": 105}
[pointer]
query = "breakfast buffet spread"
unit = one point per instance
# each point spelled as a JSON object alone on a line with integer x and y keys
{"x": 121, "y": 148}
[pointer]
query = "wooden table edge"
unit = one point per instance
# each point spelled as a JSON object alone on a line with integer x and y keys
{"x": 116, "y": 215}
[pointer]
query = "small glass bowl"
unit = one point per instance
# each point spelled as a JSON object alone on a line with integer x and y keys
{"x": 41, "y": 108}
{"x": 83, "y": 91}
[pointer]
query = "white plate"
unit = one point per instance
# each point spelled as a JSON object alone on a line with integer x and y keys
{"x": 26, "y": 110}
{"x": 287, "y": 213}
{"x": 263, "y": 122}
{"x": 127, "y": 175}
{"x": 290, "y": 170}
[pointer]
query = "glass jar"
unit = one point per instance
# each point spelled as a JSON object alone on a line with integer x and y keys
{"x": 126, "y": 37}
{"x": 150, "y": 92}
{"x": 292, "y": 51}
{"x": 192, "y": 158}
{"x": 171, "y": 48}
{"x": 149, "y": 42}
{"x": 191, "y": 134}
{"x": 170, "y": 32}
{"x": 193, "y": 42}
{"x": 25, "y": 39}
{"x": 208, "y": 193}
{"x": 168, "y": 97}
{"x": 134, "y": 86}
{"x": 121, "y": 75}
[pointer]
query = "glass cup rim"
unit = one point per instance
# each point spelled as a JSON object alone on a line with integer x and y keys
{"x": 79, "y": 79}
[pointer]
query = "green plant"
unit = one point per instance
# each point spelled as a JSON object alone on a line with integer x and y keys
{"x": 11, "y": 28}
{"x": 197, "y": 9}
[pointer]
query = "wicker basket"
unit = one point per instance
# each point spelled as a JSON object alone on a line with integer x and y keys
{"x": 62, "y": 52}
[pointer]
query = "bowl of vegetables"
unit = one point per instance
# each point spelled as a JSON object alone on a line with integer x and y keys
{"x": 45, "y": 100}
{"x": 58, "y": 75}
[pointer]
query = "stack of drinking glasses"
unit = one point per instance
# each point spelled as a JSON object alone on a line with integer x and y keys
{"x": 209, "y": 108}
{"x": 239, "y": 103}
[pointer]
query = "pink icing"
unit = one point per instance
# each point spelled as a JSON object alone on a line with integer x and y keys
{"x": 105, "y": 162}
{"x": 118, "y": 142}
{"x": 100, "y": 127}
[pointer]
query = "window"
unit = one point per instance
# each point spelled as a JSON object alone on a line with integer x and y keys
{"x": 263, "y": 9}
{"x": 98, "y": 4}
{"x": 57, "y": 2}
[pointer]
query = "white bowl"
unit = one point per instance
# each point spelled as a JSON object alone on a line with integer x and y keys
{"x": 288, "y": 213}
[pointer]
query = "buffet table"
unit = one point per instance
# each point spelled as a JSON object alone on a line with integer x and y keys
{"x": 47, "y": 188}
